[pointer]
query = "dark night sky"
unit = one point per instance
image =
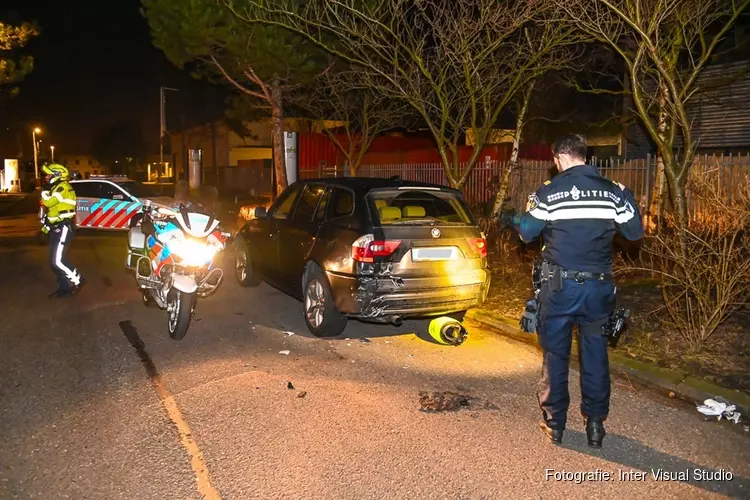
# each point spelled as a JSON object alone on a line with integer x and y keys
{"x": 94, "y": 65}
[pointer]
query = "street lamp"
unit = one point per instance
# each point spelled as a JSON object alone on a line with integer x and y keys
{"x": 34, "y": 132}
{"x": 52, "y": 149}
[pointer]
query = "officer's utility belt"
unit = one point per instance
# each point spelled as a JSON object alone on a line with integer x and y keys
{"x": 554, "y": 274}
{"x": 581, "y": 276}
{"x": 62, "y": 218}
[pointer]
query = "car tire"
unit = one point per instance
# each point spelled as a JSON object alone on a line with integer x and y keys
{"x": 322, "y": 317}
{"x": 243, "y": 268}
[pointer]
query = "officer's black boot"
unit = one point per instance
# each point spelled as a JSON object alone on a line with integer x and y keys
{"x": 77, "y": 288}
{"x": 554, "y": 435}
{"x": 595, "y": 432}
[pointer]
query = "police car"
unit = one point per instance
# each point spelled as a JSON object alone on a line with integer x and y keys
{"x": 109, "y": 202}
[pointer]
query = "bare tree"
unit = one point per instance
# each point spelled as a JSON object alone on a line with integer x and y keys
{"x": 457, "y": 64}
{"x": 665, "y": 45}
{"x": 260, "y": 62}
{"x": 358, "y": 112}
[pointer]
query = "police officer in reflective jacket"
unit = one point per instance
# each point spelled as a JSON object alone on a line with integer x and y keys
{"x": 60, "y": 203}
{"x": 577, "y": 214}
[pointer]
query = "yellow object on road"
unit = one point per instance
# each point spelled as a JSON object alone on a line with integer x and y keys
{"x": 447, "y": 331}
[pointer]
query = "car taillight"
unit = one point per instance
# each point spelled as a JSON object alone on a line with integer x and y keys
{"x": 479, "y": 245}
{"x": 366, "y": 248}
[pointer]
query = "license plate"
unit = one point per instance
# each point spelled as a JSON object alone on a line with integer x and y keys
{"x": 434, "y": 253}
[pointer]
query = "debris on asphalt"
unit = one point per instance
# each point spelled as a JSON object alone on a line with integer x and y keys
{"x": 713, "y": 408}
{"x": 285, "y": 353}
{"x": 489, "y": 405}
{"x": 302, "y": 394}
{"x": 442, "y": 401}
{"x": 364, "y": 341}
{"x": 289, "y": 386}
{"x": 289, "y": 334}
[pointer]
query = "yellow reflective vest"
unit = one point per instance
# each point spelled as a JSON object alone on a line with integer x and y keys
{"x": 60, "y": 202}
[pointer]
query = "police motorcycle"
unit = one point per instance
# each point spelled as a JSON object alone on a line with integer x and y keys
{"x": 172, "y": 254}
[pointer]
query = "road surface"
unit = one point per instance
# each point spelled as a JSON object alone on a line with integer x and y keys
{"x": 97, "y": 402}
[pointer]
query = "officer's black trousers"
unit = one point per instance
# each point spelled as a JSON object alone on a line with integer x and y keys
{"x": 588, "y": 305}
{"x": 60, "y": 237}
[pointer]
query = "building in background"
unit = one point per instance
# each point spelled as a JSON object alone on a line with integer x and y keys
{"x": 84, "y": 165}
{"x": 231, "y": 159}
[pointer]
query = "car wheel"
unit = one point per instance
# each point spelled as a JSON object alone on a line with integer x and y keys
{"x": 321, "y": 316}
{"x": 243, "y": 267}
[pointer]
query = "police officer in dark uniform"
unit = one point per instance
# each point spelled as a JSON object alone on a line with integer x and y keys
{"x": 577, "y": 214}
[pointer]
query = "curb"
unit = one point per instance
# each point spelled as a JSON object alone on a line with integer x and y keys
{"x": 681, "y": 384}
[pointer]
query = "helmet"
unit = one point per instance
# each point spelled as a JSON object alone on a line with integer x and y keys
{"x": 56, "y": 173}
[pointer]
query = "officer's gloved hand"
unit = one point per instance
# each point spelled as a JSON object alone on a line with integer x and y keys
{"x": 509, "y": 218}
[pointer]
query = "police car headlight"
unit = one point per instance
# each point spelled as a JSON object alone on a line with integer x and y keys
{"x": 194, "y": 253}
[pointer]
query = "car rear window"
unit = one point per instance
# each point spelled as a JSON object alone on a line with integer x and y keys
{"x": 417, "y": 206}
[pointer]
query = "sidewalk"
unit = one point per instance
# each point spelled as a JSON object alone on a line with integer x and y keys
{"x": 669, "y": 381}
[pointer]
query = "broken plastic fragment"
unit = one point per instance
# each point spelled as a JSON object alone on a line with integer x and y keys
{"x": 713, "y": 408}
{"x": 288, "y": 333}
{"x": 285, "y": 353}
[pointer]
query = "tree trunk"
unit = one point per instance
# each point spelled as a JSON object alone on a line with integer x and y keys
{"x": 277, "y": 125}
{"x": 658, "y": 203}
{"x": 502, "y": 191}
{"x": 677, "y": 183}
{"x": 448, "y": 167}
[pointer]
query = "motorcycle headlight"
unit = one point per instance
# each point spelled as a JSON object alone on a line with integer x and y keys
{"x": 194, "y": 253}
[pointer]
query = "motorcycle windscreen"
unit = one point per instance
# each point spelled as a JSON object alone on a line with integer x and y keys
{"x": 196, "y": 224}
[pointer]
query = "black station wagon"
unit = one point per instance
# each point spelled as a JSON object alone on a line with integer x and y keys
{"x": 372, "y": 249}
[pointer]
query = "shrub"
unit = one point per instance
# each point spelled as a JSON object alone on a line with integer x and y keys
{"x": 705, "y": 280}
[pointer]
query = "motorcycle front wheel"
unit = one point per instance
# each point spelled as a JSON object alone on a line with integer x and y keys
{"x": 179, "y": 312}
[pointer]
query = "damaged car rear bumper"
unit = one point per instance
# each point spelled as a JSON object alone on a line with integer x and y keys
{"x": 383, "y": 297}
